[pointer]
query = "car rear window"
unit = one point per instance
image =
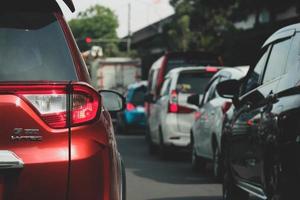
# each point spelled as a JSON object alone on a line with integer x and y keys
{"x": 138, "y": 95}
{"x": 33, "y": 47}
{"x": 194, "y": 82}
{"x": 188, "y": 61}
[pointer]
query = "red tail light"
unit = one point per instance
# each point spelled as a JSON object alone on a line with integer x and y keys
{"x": 130, "y": 106}
{"x": 226, "y": 106}
{"x": 50, "y": 102}
{"x": 211, "y": 69}
{"x": 174, "y": 107}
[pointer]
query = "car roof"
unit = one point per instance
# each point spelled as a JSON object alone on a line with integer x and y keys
{"x": 35, "y": 5}
{"x": 187, "y": 69}
{"x": 242, "y": 69}
{"x": 282, "y": 33}
{"x": 236, "y": 72}
{"x": 137, "y": 85}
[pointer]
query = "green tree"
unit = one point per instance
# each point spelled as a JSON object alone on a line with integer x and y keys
{"x": 97, "y": 22}
{"x": 199, "y": 24}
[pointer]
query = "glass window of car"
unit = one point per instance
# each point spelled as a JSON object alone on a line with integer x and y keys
{"x": 154, "y": 81}
{"x": 33, "y": 47}
{"x": 166, "y": 87}
{"x": 138, "y": 96}
{"x": 193, "y": 82}
{"x": 150, "y": 80}
{"x": 254, "y": 77}
{"x": 277, "y": 60}
{"x": 211, "y": 90}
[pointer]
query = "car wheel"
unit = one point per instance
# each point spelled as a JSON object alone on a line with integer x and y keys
{"x": 151, "y": 145}
{"x": 217, "y": 164}
{"x": 124, "y": 188}
{"x": 231, "y": 191}
{"x": 163, "y": 149}
{"x": 198, "y": 163}
{"x": 279, "y": 190}
{"x": 121, "y": 126}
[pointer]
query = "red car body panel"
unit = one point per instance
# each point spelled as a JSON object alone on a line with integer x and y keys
{"x": 92, "y": 171}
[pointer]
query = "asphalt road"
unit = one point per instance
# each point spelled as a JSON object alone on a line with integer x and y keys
{"x": 149, "y": 178}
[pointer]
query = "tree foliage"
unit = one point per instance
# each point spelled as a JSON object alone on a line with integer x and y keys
{"x": 201, "y": 24}
{"x": 96, "y": 22}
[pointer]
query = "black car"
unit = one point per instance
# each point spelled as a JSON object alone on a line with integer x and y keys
{"x": 262, "y": 140}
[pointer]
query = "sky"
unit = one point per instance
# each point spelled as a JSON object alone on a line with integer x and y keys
{"x": 144, "y": 12}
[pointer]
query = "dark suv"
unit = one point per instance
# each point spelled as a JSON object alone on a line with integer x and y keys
{"x": 262, "y": 140}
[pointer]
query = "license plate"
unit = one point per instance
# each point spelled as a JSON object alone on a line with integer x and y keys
{"x": 140, "y": 109}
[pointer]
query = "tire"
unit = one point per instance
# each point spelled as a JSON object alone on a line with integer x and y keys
{"x": 231, "y": 191}
{"x": 163, "y": 149}
{"x": 151, "y": 146}
{"x": 124, "y": 185}
{"x": 217, "y": 164}
{"x": 198, "y": 163}
{"x": 281, "y": 186}
{"x": 121, "y": 126}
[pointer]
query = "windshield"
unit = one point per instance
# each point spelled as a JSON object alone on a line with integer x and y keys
{"x": 137, "y": 96}
{"x": 194, "y": 82}
{"x": 33, "y": 47}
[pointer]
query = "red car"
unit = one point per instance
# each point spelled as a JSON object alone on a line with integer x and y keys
{"x": 56, "y": 136}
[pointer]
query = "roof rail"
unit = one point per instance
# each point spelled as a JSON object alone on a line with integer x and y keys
{"x": 70, "y": 4}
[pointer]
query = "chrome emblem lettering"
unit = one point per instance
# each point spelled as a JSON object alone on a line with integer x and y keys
{"x": 20, "y": 134}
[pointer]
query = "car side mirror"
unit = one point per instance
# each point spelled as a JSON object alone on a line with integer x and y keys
{"x": 228, "y": 89}
{"x": 149, "y": 98}
{"x": 195, "y": 99}
{"x": 112, "y": 101}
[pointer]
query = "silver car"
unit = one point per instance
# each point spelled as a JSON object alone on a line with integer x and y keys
{"x": 172, "y": 117}
{"x": 206, "y": 131}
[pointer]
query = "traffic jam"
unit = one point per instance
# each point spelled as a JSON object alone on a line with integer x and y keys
{"x": 81, "y": 118}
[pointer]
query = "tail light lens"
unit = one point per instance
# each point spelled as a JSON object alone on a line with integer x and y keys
{"x": 130, "y": 106}
{"x": 211, "y": 69}
{"x": 174, "y": 107}
{"x": 226, "y": 106}
{"x": 50, "y": 102}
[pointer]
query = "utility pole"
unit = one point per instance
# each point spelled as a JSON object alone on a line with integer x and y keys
{"x": 129, "y": 29}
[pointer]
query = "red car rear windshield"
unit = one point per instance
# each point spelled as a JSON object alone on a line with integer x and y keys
{"x": 33, "y": 47}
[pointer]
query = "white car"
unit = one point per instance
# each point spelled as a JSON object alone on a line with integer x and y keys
{"x": 172, "y": 117}
{"x": 206, "y": 132}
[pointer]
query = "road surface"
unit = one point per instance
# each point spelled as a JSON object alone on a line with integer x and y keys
{"x": 149, "y": 178}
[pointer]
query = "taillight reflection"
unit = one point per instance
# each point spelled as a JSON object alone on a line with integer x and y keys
{"x": 197, "y": 115}
{"x": 226, "y": 106}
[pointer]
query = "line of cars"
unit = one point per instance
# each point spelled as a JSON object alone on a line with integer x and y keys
{"x": 245, "y": 120}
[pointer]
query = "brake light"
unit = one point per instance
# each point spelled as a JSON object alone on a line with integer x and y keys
{"x": 226, "y": 106}
{"x": 50, "y": 102}
{"x": 211, "y": 69}
{"x": 174, "y": 107}
{"x": 130, "y": 106}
